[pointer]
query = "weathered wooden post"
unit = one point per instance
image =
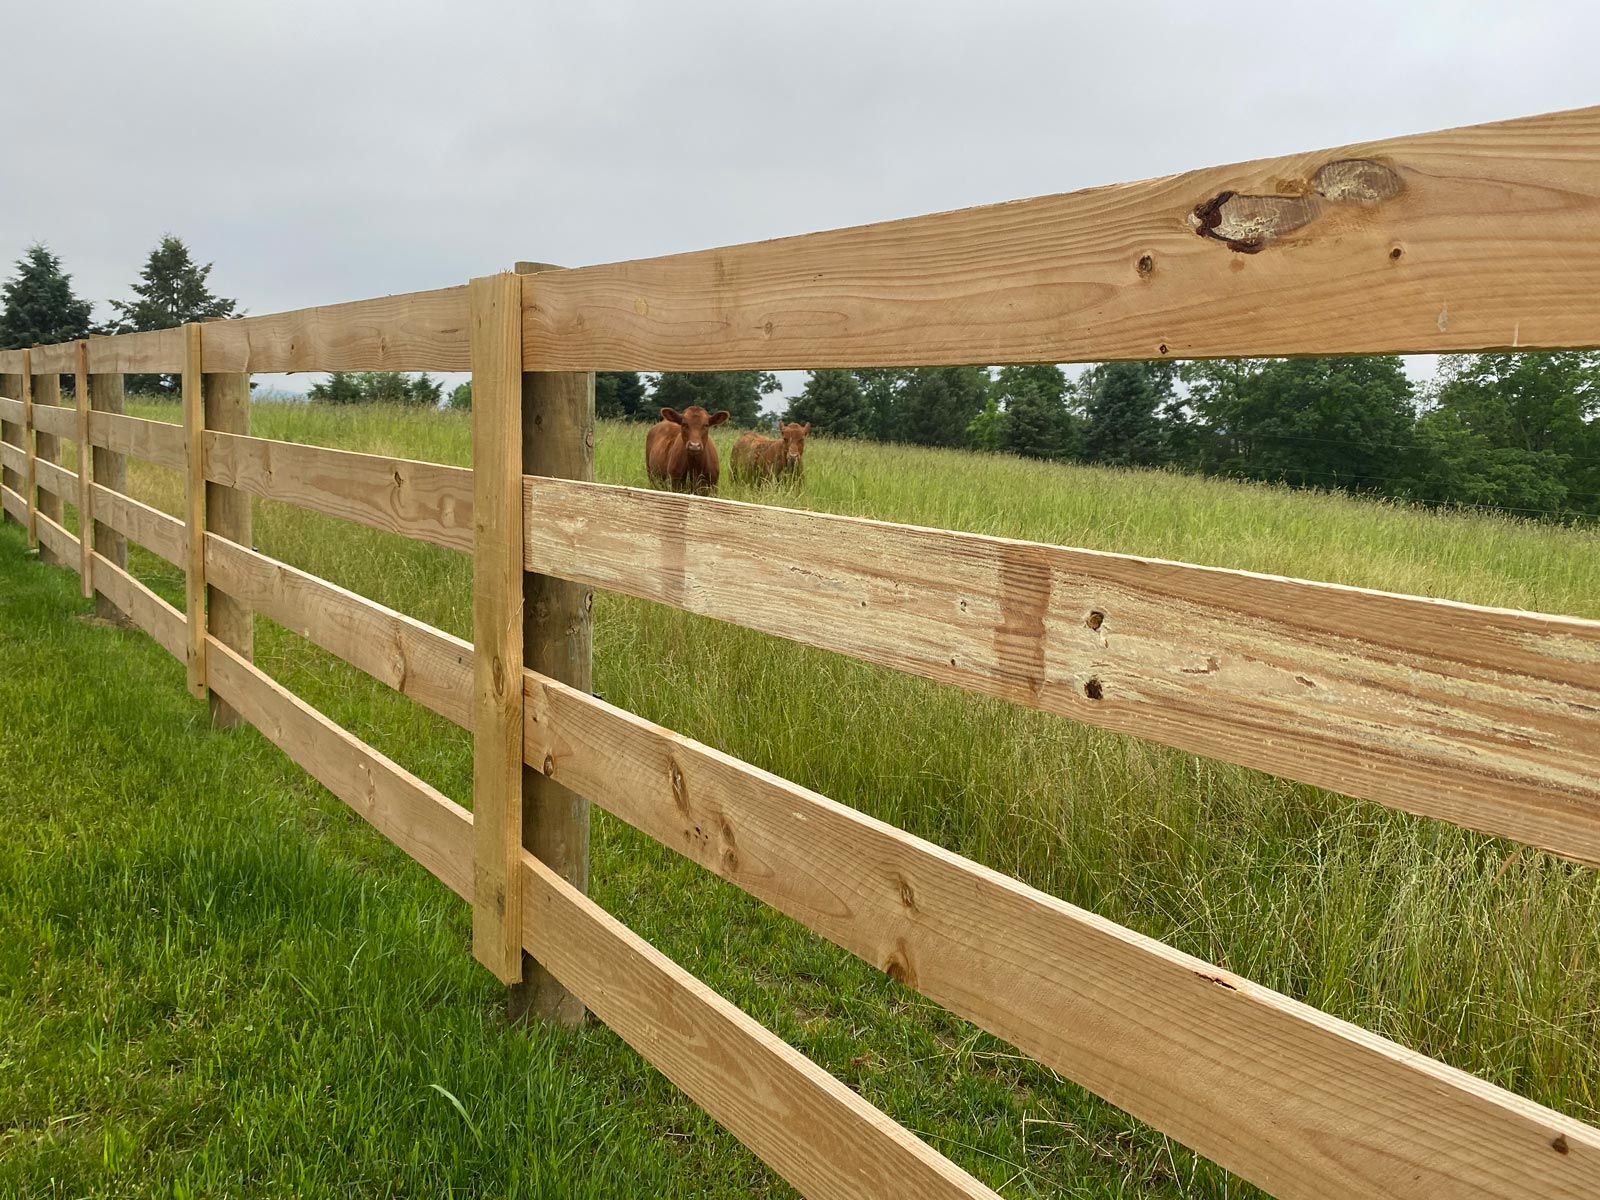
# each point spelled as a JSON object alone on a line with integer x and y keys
{"x": 109, "y": 469}
{"x": 80, "y": 393}
{"x": 557, "y": 442}
{"x": 225, "y": 398}
{"x": 194, "y": 577}
{"x": 30, "y": 447}
{"x": 46, "y": 390}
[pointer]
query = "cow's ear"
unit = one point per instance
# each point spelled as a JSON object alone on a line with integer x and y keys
{"x": 671, "y": 414}
{"x": 717, "y": 418}
{"x": 806, "y": 428}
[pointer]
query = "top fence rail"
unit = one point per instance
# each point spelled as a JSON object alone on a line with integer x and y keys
{"x": 1480, "y": 238}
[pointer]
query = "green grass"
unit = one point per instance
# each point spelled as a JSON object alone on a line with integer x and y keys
{"x": 215, "y": 980}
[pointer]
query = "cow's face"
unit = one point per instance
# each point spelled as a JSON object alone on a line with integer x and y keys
{"x": 696, "y": 423}
{"x": 794, "y": 440}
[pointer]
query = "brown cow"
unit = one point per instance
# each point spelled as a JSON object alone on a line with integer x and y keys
{"x": 679, "y": 451}
{"x": 758, "y": 458}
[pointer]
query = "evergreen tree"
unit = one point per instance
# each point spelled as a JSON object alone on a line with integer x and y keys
{"x": 833, "y": 403}
{"x": 880, "y": 386}
{"x": 171, "y": 290}
{"x": 739, "y": 392}
{"x": 461, "y": 396}
{"x": 934, "y": 406}
{"x": 1121, "y": 400}
{"x": 984, "y": 431}
{"x": 424, "y": 390}
{"x": 1037, "y": 422}
{"x": 620, "y": 395}
{"x": 40, "y": 308}
{"x": 341, "y": 387}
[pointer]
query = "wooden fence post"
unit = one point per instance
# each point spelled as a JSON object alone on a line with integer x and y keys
{"x": 11, "y": 434}
{"x": 194, "y": 580}
{"x": 30, "y": 447}
{"x": 496, "y": 344}
{"x": 46, "y": 390}
{"x": 225, "y": 399}
{"x": 80, "y": 391}
{"x": 558, "y": 442}
{"x": 110, "y": 471}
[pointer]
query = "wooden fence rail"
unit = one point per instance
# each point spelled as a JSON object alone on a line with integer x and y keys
{"x": 1490, "y": 718}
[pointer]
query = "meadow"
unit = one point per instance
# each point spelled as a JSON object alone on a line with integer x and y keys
{"x": 215, "y": 980}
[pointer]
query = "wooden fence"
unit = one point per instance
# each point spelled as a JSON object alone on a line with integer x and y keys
{"x": 1473, "y": 239}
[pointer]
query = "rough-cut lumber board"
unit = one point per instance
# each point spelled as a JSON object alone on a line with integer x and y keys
{"x": 156, "y": 531}
{"x": 810, "y": 1128}
{"x": 14, "y": 457}
{"x": 419, "y": 331}
{"x": 227, "y": 511}
{"x": 13, "y": 460}
{"x": 1298, "y": 1102}
{"x": 110, "y": 470}
{"x": 15, "y": 506}
{"x": 143, "y": 607}
{"x": 423, "y": 500}
{"x": 60, "y": 357}
{"x": 418, "y": 818}
{"x": 497, "y": 624}
{"x": 55, "y": 480}
{"x": 160, "y": 350}
{"x": 194, "y": 572}
{"x": 1472, "y": 239}
{"x": 54, "y": 420}
{"x": 11, "y": 362}
{"x": 80, "y": 434}
{"x": 59, "y": 542}
{"x": 11, "y": 409}
{"x": 1486, "y": 717}
{"x": 48, "y": 500}
{"x": 417, "y": 660}
{"x": 159, "y": 442}
{"x": 558, "y": 441}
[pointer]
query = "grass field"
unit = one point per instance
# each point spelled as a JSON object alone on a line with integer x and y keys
{"x": 217, "y": 981}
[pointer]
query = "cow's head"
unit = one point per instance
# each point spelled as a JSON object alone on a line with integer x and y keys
{"x": 696, "y": 421}
{"x": 794, "y": 440}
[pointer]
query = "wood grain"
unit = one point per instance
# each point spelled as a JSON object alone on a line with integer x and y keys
{"x": 418, "y": 818}
{"x": 159, "y": 442}
{"x": 58, "y": 357}
{"x": 15, "y": 506}
{"x": 11, "y": 410}
{"x": 11, "y": 363}
{"x": 1486, "y": 717}
{"x": 110, "y": 470}
{"x": 417, "y": 660}
{"x": 497, "y": 624}
{"x": 227, "y": 513}
{"x": 143, "y": 607}
{"x": 422, "y": 500}
{"x": 55, "y": 538}
{"x": 1492, "y": 241}
{"x": 557, "y": 440}
{"x": 1315, "y": 1106}
{"x": 161, "y": 534}
{"x": 419, "y": 331}
{"x": 55, "y": 481}
{"x": 160, "y": 351}
{"x": 85, "y": 496}
{"x": 54, "y": 420}
{"x": 194, "y": 573}
{"x": 14, "y": 458}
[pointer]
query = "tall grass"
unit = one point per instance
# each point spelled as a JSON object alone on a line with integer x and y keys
{"x": 1460, "y": 946}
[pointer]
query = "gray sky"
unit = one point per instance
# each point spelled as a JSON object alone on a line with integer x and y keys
{"x": 328, "y": 151}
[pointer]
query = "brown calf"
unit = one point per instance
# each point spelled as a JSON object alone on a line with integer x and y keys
{"x": 759, "y": 458}
{"x": 679, "y": 452}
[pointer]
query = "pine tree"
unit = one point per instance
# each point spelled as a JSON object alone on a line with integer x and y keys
{"x": 40, "y": 308}
{"x": 935, "y": 405}
{"x": 620, "y": 395}
{"x": 171, "y": 290}
{"x": 1121, "y": 401}
{"x": 834, "y": 404}
{"x": 341, "y": 387}
{"x": 1037, "y": 423}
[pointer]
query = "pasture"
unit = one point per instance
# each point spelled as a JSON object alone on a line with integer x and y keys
{"x": 215, "y": 980}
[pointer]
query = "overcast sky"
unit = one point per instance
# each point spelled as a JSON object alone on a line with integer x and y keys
{"x": 327, "y": 151}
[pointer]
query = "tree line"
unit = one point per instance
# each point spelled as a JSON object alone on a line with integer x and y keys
{"x": 1512, "y": 431}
